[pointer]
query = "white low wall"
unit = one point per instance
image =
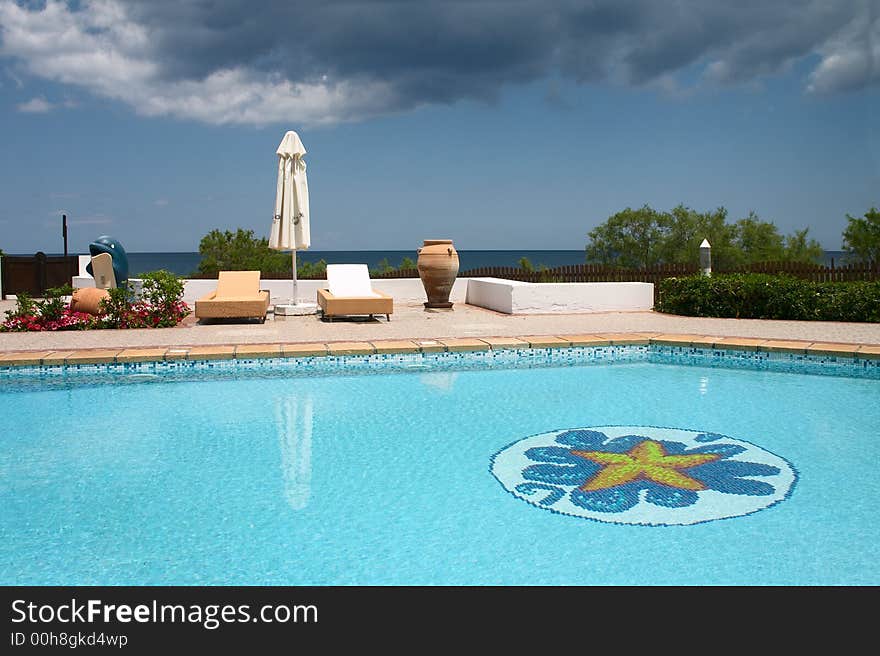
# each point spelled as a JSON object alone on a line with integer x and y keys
{"x": 404, "y": 290}
{"x": 514, "y": 297}
{"x": 507, "y": 296}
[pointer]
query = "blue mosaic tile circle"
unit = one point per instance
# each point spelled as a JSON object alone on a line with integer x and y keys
{"x": 644, "y": 475}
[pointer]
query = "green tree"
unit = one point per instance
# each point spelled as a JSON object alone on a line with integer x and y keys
{"x": 306, "y": 269}
{"x": 687, "y": 230}
{"x": 638, "y": 238}
{"x": 631, "y": 238}
{"x": 526, "y": 264}
{"x": 861, "y": 237}
{"x": 758, "y": 241}
{"x": 799, "y": 248}
{"x": 239, "y": 251}
{"x": 382, "y": 267}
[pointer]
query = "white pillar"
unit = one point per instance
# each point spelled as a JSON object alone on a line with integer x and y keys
{"x": 706, "y": 258}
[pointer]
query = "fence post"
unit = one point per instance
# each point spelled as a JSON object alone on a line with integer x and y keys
{"x": 40, "y": 271}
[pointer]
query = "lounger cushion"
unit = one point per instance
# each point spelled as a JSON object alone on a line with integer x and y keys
{"x": 350, "y": 280}
{"x": 238, "y": 283}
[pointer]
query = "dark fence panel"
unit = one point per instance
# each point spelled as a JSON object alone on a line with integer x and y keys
{"x": 815, "y": 272}
{"x": 34, "y": 274}
{"x": 603, "y": 273}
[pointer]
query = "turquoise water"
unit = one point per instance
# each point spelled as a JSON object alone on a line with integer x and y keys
{"x": 385, "y": 479}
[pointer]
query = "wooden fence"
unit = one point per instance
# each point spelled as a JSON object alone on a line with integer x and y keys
{"x": 34, "y": 274}
{"x": 815, "y": 272}
{"x": 604, "y": 273}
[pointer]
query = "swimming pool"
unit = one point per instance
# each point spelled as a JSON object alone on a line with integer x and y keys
{"x": 403, "y": 470}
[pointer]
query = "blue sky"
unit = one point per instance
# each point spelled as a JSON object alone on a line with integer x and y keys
{"x": 516, "y": 125}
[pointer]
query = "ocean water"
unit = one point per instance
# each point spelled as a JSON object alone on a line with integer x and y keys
{"x": 388, "y": 478}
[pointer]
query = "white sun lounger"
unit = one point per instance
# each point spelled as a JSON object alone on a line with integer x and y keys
{"x": 351, "y": 293}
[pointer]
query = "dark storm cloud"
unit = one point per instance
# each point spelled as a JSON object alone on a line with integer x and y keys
{"x": 392, "y": 55}
{"x": 445, "y": 50}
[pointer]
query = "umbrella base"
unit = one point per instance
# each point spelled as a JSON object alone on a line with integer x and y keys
{"x": 295, "y": 310}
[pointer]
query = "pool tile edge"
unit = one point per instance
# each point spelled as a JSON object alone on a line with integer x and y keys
{"x": 48, "y": 358}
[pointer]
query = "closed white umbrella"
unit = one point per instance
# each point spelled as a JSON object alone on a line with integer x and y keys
{"x": 290, "y": 225}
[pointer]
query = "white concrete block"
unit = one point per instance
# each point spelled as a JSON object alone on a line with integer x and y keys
{"x": 515, "y": 297}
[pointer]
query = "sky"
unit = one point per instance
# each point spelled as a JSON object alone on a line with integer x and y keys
{"x": 500, "y": 125}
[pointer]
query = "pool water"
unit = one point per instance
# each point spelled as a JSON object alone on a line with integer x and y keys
{"x": 387, "y": 479}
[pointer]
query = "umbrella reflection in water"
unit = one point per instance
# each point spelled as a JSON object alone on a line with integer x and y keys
{"x": 293, "y": 418}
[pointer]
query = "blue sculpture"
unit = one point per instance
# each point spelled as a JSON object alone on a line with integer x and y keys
{"x": 106, "y": 244}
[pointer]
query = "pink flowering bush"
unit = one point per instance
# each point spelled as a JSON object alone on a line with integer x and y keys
{"x": 161, "y": 306}
{"x": 69, "y": 320}
{"x": 51, "y": 313}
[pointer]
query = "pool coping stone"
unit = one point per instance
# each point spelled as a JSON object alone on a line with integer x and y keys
{"x": 11, "y": 359}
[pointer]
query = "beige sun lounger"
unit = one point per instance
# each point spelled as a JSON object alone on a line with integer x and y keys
{"x": 238, "y": 296}
{"x": 350, "y": 293}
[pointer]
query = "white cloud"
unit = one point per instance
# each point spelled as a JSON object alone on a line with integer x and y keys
{"x": 161, "y": 202}
{"x": 852, "y": 59}
{"x": 35, "y": 106}
{"x": 102, "y": 50}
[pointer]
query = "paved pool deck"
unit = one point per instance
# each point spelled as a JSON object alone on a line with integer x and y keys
{"x": 460, "y": 329}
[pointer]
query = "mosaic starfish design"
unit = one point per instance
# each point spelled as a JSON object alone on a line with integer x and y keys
{"x": 646, "y": 460}
{"x": 608, "y": 475}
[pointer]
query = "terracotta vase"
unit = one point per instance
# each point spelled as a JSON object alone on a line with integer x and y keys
{"x": 438, "y": 267}
{"x": 88, "y": 300}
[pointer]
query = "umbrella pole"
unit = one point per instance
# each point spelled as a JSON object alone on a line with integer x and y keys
{"x": 293, "y": 256}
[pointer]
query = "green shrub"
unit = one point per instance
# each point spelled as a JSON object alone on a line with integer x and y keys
{"x": 117, "y": 308}
{"x": 763, "y": 296}
{"x": 160, "y": 306}
{"x": 163, "y": 294}
{"x": 53, "y": 305}
{"x": 24, "y": 306}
